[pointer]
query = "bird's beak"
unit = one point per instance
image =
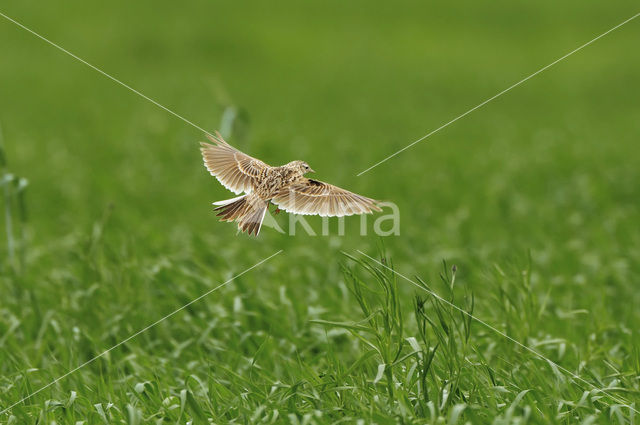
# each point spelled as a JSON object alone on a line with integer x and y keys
{"x": 311, "y": 170}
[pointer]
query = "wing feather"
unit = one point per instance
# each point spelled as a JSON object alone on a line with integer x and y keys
{"x": 234, "y": 169}
{"x": 313, "y": 197}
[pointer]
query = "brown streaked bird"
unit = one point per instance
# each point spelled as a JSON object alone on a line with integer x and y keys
{"x": 284, "y": 186}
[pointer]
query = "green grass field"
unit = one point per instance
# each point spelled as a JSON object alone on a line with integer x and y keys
{"x": 534, "y": 198}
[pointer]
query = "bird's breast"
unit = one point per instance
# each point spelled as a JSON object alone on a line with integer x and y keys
{"x": 269, "y": 185}
{"x": 274, "y": 180}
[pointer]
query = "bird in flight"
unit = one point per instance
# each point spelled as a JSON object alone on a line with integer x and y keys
{"x": 284, "y": 186}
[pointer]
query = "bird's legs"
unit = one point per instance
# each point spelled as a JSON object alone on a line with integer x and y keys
{"x": 277, "y": 210}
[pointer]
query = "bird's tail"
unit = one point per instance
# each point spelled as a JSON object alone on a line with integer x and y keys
{"x": 248, "y": 210}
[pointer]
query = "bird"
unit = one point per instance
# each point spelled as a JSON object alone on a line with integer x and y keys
{"x": 285, "y": 186}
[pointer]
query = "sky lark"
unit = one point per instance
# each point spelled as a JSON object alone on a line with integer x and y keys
{"x": 284, "y": 186}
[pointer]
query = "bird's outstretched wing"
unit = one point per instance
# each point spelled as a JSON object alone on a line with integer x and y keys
{"x": 307, "y": 197}
{"x": 237, "y": 171}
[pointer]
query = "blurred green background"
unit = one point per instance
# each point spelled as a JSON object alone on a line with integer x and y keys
{"x": 119, "y": 227}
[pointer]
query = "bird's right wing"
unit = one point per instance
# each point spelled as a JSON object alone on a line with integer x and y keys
{"x": 236, "y": 170}
{"x": 309, "y": 197}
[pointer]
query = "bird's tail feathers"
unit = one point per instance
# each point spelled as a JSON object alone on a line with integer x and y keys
{"x": 252, "y": 221}
{"x": 247, "y": 210}
{"x": 228, "y": 201}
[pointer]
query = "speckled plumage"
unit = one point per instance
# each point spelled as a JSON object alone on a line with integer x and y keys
{"x": 284, "y": 186}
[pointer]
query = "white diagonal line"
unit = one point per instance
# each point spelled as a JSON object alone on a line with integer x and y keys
{"x": 515, "y": 341}
{"x": 500, "y": 94}
{"x": 95, "y": 68}
{"x": 139, "y": 332}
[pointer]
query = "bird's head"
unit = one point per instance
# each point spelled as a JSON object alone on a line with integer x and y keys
{"x": 302, "y": 166}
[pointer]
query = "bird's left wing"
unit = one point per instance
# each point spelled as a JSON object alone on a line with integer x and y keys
{"x": 308, "y": 197}
{"x": 236, "y": 170}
